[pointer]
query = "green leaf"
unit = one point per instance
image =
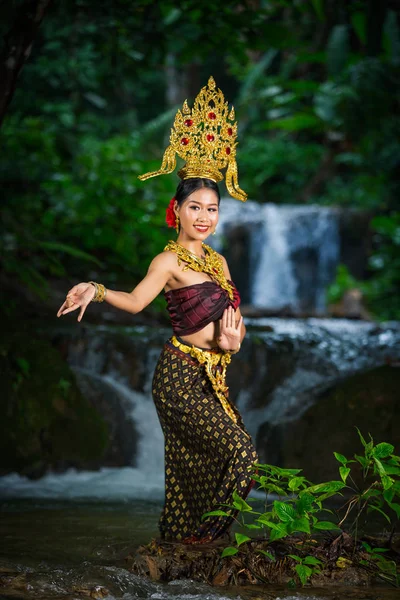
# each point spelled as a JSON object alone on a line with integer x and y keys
{"x": 383, "y": 450}
{"x": 319, "y": 8}
{"x": 344, "y": 472}
{"x": 342, "y": 459}
{"x": 373, "y": 507}
{"x": 241, "y": 539}
{"x": 359, "y": 22}
{"x": 389, "y": 494}
{"x": 392, "y": 470}
{"x": 295, "y": 483}
{"x": 337, "y": 50}
{"x": 267, "y": 554}
{"x": 366, "y": 546}
{"x": 265, "y": 517}
{"x": 279, "y": 531}
{"x": 285, "y": 511}
{"x": 296, "y": 557}
{"x": 396, "y": 507}
{"x": 380, "y": 467}
{"x": 387, "y": 482}
{"x": 240, "y": 504}
{"x": 303, "y": 572}
{"x": 301, "y": 524}
{"x": 363, "y": 461}
{"x": 214, "y": 513}
{"x": 229, "y": 551}
{"x": 304, "y": 503}
{"x": 296, "y": 122}
{"x": 325, "y": 525}
{"x": 311, "y": 560}
{"x": 328, "y": 487}
{"x": 24, "y": 365}
{"x": 364, "y": 443}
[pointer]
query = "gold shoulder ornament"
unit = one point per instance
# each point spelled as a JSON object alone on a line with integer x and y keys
{"x": 204, "y": 137}
{"x": 211, "y": 264}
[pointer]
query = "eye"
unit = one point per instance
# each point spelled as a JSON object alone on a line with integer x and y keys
{"x": 213, "y": 209}
{"x": 194, "y": 206}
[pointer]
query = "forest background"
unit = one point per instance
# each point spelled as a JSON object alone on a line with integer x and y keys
{"x": 316, "y": 89}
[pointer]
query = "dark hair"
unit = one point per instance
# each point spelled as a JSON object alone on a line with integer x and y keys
{"x": 188, "y": 186}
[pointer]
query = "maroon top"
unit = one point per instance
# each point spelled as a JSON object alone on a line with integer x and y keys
{"x": 193, "y": 307}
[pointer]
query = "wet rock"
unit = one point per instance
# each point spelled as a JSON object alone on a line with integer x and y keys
{"x": 367, "y": 400}
{"x": 46, "y": 421}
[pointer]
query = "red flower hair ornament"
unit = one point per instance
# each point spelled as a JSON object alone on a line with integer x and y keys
{"x": 170, "y": 217}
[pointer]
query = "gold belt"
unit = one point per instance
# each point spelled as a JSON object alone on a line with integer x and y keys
{"x": 211, "y": 360}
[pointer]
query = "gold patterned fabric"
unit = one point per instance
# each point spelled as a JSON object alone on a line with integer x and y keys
{"x": 207, "y": 455}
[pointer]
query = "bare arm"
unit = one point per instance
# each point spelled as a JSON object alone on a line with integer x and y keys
{"x": 133, "y": 302}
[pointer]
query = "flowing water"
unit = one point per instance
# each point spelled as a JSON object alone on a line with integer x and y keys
{"x": 57, "y": 549}
{"x": 287, "y": 253}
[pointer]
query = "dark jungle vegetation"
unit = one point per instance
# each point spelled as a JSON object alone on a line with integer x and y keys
{"x": 89, "y": 89}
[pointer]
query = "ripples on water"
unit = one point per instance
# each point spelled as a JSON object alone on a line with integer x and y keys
{"x": 52, "y": 549}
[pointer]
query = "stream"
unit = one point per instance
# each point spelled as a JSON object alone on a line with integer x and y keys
{"x": 76, "y": 547}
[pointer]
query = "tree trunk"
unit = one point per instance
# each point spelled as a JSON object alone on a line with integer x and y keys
{"x": 17, "y": 47}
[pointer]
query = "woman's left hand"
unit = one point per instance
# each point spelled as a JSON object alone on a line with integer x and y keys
{"x": 229, "y": 331}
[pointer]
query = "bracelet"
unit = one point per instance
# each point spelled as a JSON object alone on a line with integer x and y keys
{"x": 100, "y": 293}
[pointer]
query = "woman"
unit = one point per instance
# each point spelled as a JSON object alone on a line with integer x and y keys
{"x": 209, "y": 454}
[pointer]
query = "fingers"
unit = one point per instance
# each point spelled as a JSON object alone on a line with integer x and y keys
{"x": 228, "y": 320}
{"x": 82, "y": 311}
{"x": 239, "y": 324}
{"x": 65, "y": 310}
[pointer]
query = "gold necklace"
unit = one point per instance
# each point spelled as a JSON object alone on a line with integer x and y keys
{"x": 211, "y": 264}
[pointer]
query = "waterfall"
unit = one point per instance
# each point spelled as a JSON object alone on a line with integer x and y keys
{"x": 282, "y": 257}
{"x": 100, "y": 364}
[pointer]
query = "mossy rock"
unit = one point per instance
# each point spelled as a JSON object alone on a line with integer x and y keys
{"x": 46, "y": 422}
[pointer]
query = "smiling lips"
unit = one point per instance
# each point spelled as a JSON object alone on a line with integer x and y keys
{"x": 201, "y": 228}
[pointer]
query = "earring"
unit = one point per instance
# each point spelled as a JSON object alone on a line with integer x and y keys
{"x": 177, "y": 223}
{"x": 215, "y": 231}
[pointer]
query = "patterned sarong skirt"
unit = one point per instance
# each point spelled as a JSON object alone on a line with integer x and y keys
{"x": 207, "y": 455}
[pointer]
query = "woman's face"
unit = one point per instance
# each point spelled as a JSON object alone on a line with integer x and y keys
{"x": 199, "y": 214}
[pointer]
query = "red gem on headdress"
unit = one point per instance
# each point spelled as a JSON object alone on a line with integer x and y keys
{"x": 215, "y": 270}
{"x": 210, "y": 137}
{"x": 228, "y": 150}
{"x": 230, "y": 131}
{"x": 184, "y": 141}
{"x": 212, "y": 115}
{"x": 188, "y": 122}
{"x": 170, "y": 217}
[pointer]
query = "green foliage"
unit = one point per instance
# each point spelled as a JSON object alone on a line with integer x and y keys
{"x": 381, "y": 290}
{"x": 344, "y": 282}
{"x": 306, "y": 567}
{"x": 318, "y": 115}
{"x": 91, "y": 214}
{"x": 376, "y": 561}
{"x": 301, "y": 504}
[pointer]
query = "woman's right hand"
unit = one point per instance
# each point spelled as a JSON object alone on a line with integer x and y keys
{"x": 78, "y": 296}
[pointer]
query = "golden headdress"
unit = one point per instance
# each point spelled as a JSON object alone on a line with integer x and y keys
{"x": 205, "y": 137}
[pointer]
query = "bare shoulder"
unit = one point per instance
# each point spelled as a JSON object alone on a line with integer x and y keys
{"x": 165, "y": 261}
